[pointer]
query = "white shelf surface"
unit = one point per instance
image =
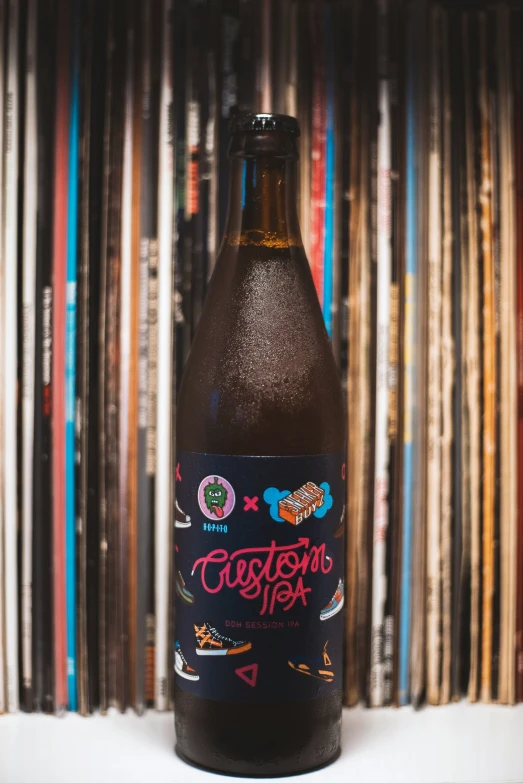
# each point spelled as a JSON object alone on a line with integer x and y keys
{"x": 460, "y": 743}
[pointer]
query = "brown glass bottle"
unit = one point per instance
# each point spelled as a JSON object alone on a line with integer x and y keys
{"x": 261, "y": 381}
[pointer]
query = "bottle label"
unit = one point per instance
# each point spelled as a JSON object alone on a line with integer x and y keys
{"x": 259, "y": 576}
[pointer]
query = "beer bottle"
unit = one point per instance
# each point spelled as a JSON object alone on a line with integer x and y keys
{"x": 260, "y": 487}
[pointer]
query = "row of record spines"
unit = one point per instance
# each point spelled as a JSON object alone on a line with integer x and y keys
{"x": 93, "y": 213}
{"x": 410, "y": 653}
{"x": 229, "y": 30}
{"x": 459, "y": 624}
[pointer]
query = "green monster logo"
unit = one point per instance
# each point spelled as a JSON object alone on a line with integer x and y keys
{"x": 215, "y": 497}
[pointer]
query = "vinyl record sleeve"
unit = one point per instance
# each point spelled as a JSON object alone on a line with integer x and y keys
{"x": 29, "y": 250}
{"x": 43, "y": 615}
{"x": 448, "y": 373}
{"x": 70, "y": 358}
{"x": 517, "y": 26}
{"x": 508, "y": 424}
{"x": 3, "y": 33}
{"x": 473, "y": 347}
{"x": 434, "y": 362}
{"x": 82, "y": 358}
{"x": 382, "y": 328}
{"x": 489, "y": 365}
{"x": 163, "y": 539}
{"x": 494, "y": 139}
{"x": 11, "y": 283}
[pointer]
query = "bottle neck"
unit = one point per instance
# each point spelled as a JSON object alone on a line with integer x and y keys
{"x": 262, "y": 202}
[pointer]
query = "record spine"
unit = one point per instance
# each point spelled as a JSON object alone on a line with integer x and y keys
{"x": 355, "y": 566}
{"x": 460, "y": 478}
{"x": 164, "y": 412}
{"x": 448, "y": 373}
{"x": 125, "y": 343}
{"x": 291, "y": 87}
{"x": 265, "y": 64}
{"x": 58, "y": 371}
{"x": 383, "y": 311}
{"x": 495, "y": 162}
{"x": 304, "y": 116}
{"x": 3, "y": 26}
{"x": 508, "y": 309}
{"x": 28, "y": 364}
{"x": 397, "y": 86}
{"x": 103, "y": 613}
{"x": 318, "y": 163}
{"x": 211, "y": 148}
{"x": 11, "y": 161}
{"x": 330, "y": 305}
{"x": 134, "y": 389}
{"x": 489, "y": 371}
{"x": 419, "y": 571}
{"x": 434, "y": 407}
{"x": 473, "y": 363}
{"x": 82, "y": 501}
{"x": 143, "y": 482}
{"x": 70, "y": 363}
{"x": 518, "y": 132}
{"x": 409, "y": 362}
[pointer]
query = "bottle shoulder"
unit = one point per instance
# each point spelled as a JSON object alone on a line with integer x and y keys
{"x": 261, "y": 370}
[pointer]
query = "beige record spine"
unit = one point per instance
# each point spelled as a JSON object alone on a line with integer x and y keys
{"x": 472, "y": 360}
{"x": 352, "y": 690}
{"x": 363, "y": 410}
{"x": 489, "y": 371}
{"x": 433, "y": 640}
{"x": 448, "y": 368}
{"x": 509, "y": 466}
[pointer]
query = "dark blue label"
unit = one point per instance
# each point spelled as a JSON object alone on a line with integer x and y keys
{"x": 259, "y": 570}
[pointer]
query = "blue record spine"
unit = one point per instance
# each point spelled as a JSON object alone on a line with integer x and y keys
{"x": 410, "y": 302}
{"x": 70, "y": 368}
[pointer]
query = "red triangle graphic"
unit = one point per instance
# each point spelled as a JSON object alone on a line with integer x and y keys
{"x": 249, "y": 674}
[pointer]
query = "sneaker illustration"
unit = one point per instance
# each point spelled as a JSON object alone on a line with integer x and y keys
{"x": 210, "y": 642}
{"x": 182, "y": 589}
{"x": 180, "y": 519}
{"x": 335, "y": 604}
{"x": 314, "y": 667}
{"x": 340, "y": 529}
{"x": 181, "y": 666}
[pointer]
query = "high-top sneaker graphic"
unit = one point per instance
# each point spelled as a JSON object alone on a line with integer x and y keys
{"x": 180, "y": 518}
{"x": 182, "y": 589}
{"x": 335, "y": 604}
{"x": 314, "y": 667}
{"x": 340, "y": 530}
{"x": 181, "y": 666}
{"x": 210, "y": 642}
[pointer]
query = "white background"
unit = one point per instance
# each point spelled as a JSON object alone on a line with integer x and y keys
{"x": 461, "y": 743}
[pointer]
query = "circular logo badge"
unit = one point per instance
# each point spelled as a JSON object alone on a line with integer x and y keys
{"x": 216, "y": 498}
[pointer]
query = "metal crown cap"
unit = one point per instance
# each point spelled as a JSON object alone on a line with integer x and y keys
{"x": 247, "y": 121}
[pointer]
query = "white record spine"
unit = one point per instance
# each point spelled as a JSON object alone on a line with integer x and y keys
{"x": 2, "y": 330}
{"x": 381, "y": 474}
{"x": 434, "y": 375}
{"x": 163, "y": 410}
{"x": 11, "y": 355}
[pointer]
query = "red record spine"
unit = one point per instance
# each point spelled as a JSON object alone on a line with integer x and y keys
{"x": 518, "y": 105}
{"x": 58, "y": 372}
{"x": 319, "y": 133}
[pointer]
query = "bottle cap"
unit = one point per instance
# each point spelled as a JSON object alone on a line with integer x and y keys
{"x": 245, "y": 122}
